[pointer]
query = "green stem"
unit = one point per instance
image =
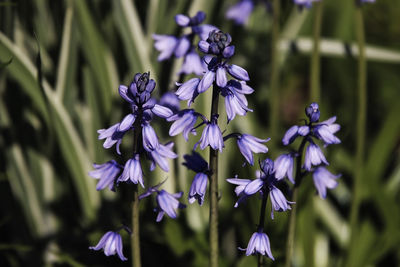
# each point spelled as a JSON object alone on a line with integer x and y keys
{"x": 261, "y": 225}
{"x": 214, "y": 189}
{"x": 293, "y": 213}
{"x": 274, "y": 100}
{"x": 135, "y": 237}
{"x": 315, "y": 56}
{"x": 361, "y": 122}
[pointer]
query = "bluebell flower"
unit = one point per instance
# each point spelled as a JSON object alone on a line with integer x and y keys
{"x": 112, "y": 135}
{"x": 184, "y": 122}
{"x": 150, "y": 139}
{"x": 171, "y": 101}
{"x": 132, "y": 171}
{"x": 290, "y": 135}
{"x": 111, "y": 242}
{"x": 188, "y": 90}
{"x": 212, "y": 136}
{"x": 235, "y": 101}
{"x": 198, "y": 188}
{"x": 265, "y": 183}
{"x": 249, "y": 144}
{"x": 168, "y": 203}
{"x": 259, "y": 243}
{"x": 323, "y": 179}
{"x": 240, "y": 12}
{"x": 367, "y": 1}
{"x": 314, "y": 156}
{"x": 284, "y": 167}
{"x": 161, "y": 156}
{"x": 239, "y": 189}
{"x": 312, "y": 112}
{"x": 166, "y": 45}
{"x": 193, "y": 63}
{"x": 107, "y": 174}
{"x": 326, "y": 130}
{"x": 278, "y": 200}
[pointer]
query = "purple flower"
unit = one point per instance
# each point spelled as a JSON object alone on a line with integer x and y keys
{"x": 278, "y": 200}
{"x": 204, "y": 30}
{"x": 326, "y": 130}
{"x": 367, "y": 1}
{"x": 168, "y": 203}
{"x": 304, "y": 3}
{"x": 161, "y": 155}
{"x": 183, "y": 46}
{"x": 106, "y": 173}
{"x": 235, "y": 102}
{"x": 259, "y": 243}
{"x": 323, "y": 179}
{"x": 284, "y": 167}
{"x": 166, "y": 45}
{"x": 239, "y": 189}
{"x": 198, "y": 188}
{"x": 111, "y": 242}
{"x": 171, "y": 101}
{"x": 290, "y": 135}
{"x": 188, "y": 90}
{"x": 112, "y": 136}
{"x": 240, "y": 12}
{"x": 150, "y": 139}
{"x": 193, "y": 64}
{"x": 184, "y": 122}
{"x": 212, "y": 136}
{"x": 238, "y": 72}
{"x": 132, "y": 171}
{"x": 249, "y": 144}
{"x": 206, "y": 81}
{"x": 314, "y": 156}
{"x": 312, "y": 112}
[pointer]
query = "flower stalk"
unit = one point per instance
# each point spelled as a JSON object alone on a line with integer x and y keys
{"x": 293, "y": 214}
{"x": 135, "y": 237}
{"x": 214, "y": 188}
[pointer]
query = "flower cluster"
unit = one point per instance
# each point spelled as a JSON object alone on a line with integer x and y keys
{"x": 314, "y": 160}
{"x": 219, "y": 50}
{"x": 169, "y": 45}
{"x": 146, "y": 146}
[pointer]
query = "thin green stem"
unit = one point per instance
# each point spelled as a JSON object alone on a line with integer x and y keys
{"x": 293, "y": 213}
{"x": 261, "y": 225}
{"x": 214, "y": 189}
{"x": 315, "y": 56}
{"x": 135, "y": 237}
{"x": 274, "y": 83}
{"x": 361, "y": 122}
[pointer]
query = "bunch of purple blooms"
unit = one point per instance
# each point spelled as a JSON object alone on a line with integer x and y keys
{"x": 314, "y": 160}
{"x": 183, "y": 46}
{"x": 146, "y": 147}
{"x": 218, "y": 45}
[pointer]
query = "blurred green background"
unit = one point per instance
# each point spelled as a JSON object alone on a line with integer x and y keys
{"x": 61, "y": 63}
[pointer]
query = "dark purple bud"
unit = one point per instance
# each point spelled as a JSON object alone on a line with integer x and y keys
{"x": 312, "y": 112}
{"x": 228, "y": 51}
{"x": 267, "y": 166}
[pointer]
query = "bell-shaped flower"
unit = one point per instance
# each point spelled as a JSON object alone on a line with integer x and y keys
{"x": 249, "y": 144}
{"x": 166, "y": 45}
{"x": 161, "y": 156}
{"x": 198, "y": 188}
{"x": 112, "y": 135}
{"x": 239, "y": 189}
{"x": 240, "y": 12}
{"x": 259, "y": 243}
{"x": 106, "y": 173}
{"x": 283, "y": 166}
{"x": 323, "y": 179}
{"x": 150, "y": 139}
{"x": 111, "y": 242}
{"x": 132, "y": 171}
{"x": 168, "y": 203}
{"x": 193, "y": 64}
{"x": 314, "y": 156}
{"x": 184, "y": 122}
{"x": 278, "y": 200}
{"x": 212, "y": 136}
{"x": 188, "y": 90}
